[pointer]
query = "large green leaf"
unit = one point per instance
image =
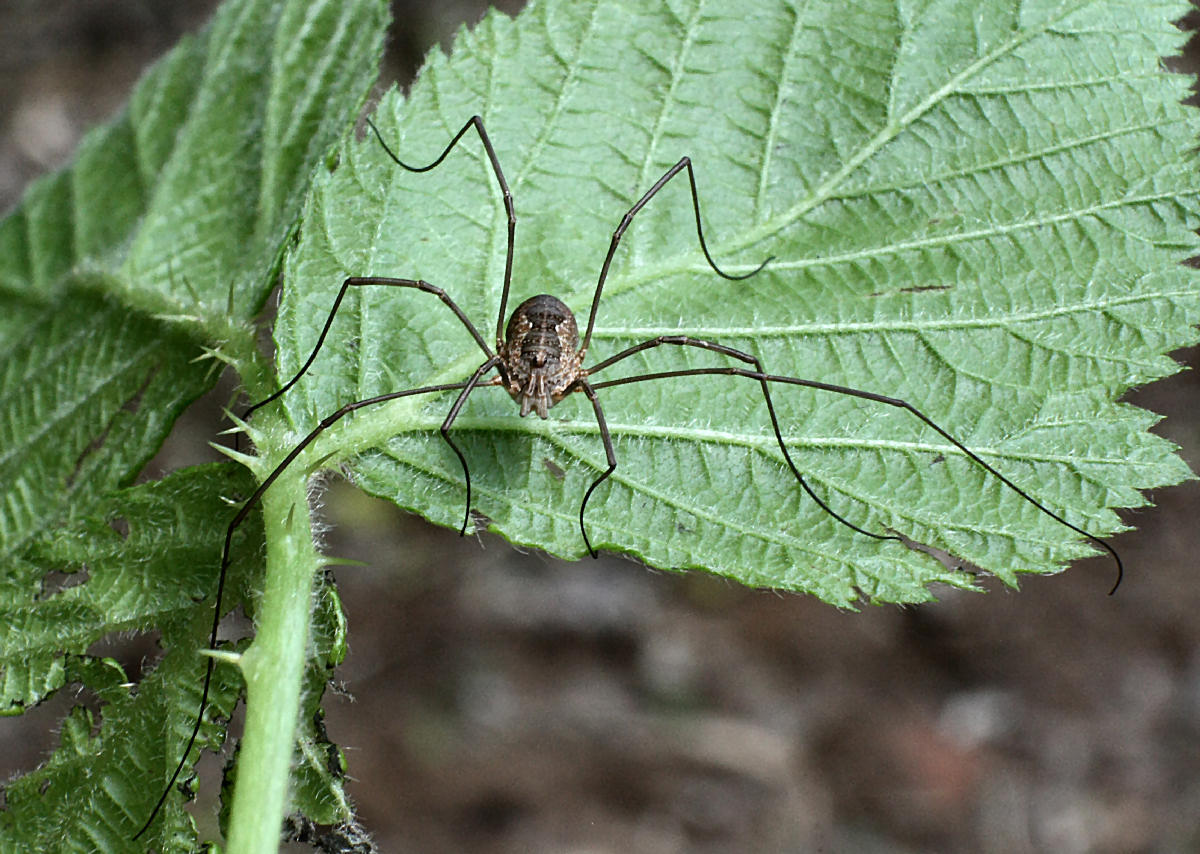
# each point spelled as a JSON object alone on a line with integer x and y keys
{"x": 978, "y": 207}
{"x": 162, "y": 239}
{"x": 146, "y": 562}
{"x": 142, "y": 563}
{"x": 163, "y": 235}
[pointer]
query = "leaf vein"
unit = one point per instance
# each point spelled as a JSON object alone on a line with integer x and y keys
{"x": 893, "y": 325}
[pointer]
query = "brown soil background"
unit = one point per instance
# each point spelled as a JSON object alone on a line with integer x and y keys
{"x": 507, "y": 702}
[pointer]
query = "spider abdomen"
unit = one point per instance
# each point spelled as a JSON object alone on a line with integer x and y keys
{"x": 541, "y": 353}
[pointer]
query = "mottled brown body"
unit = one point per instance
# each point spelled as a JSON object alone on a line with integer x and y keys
{"x": 541, "y": 353}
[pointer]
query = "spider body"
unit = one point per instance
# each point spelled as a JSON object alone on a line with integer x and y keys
{"x": 540, "y": 357}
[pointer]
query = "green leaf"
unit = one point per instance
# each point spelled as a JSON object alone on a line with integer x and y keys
{"x": 143, "y": 562}
{"x": 978, "y": 208}
{"x": 319, "y": 765}
{"x": 164, "y": 235}
{"x": 118, "y": 275}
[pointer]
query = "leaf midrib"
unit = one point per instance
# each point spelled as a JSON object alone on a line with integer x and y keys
{"x": 555, "y": 427}
{"x": 765, "y": 534}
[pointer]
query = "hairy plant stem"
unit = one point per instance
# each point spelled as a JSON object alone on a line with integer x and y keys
{"x": 273, "y": 667}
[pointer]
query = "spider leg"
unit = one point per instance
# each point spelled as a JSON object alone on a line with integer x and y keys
{"x": 684, "y": 163}
{"x": 898, "y": 403}
{"x": 359, "y": 281}
{"x": 685, "y": 341}
{"x": 477, "y": 123}
{"x": 237, "y": 520}
{"x": 467, "y": 387}
{"x": 583, "y": 385}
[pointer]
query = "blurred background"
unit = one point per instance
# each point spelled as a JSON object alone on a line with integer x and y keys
{"x": 507, "y": 702}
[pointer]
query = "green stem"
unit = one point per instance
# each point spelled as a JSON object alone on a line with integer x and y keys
{"x": 273, "y": 667}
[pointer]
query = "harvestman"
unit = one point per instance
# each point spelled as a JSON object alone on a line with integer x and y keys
{"x": 539, "y": 361}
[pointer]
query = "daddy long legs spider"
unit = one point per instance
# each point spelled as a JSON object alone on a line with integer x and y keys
{"x": 539, "y": 359}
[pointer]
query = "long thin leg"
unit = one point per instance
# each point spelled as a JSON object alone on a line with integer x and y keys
{"x": 890, "y": 401}
{"x": 359, "y": 281}
{"x": 468, "y": 387}
{"x": 237, "y": 520}
{"x": 684, "y": 163}
{"x": 583, "y": 385}
{"x": 477, "y": 123}
{"x": 685, "y": 341}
